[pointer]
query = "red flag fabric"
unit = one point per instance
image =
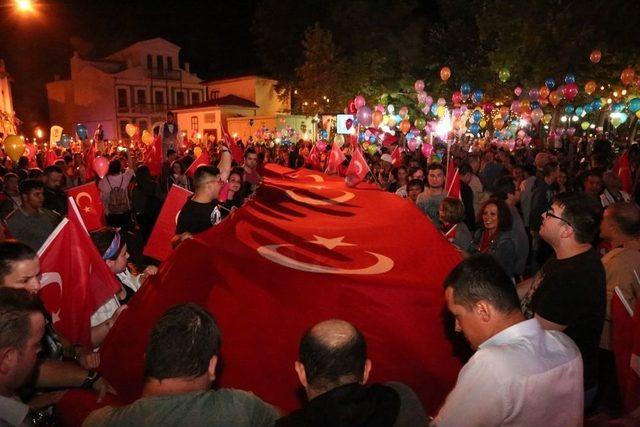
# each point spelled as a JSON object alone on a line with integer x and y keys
{"x": 50, "y": 158}
{"x": 306, "y": 248}
{"x": 75, "y": 280}
{"x": 621, "y": 167}
{"x": 624, "y": 331}
{"x": 89, "y": 203}
{"x": 396, "y": 157}
{"x": 452, "y": 185}
{"x": 203, "y": 159}
{"x": 236, "y": 151}
{"x": 313, "y": 159}
{"x": 632, "y": 386}
{"x": 89, "y": 157}
{"x": 153, "y": 158}
{"x": 336, "y": 157}
{"x": 358, "y": 168}
{"x": 159, "y": 243}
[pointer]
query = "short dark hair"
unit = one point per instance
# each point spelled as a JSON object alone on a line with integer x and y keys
{"x": 115, "y": 167}
{"x": 435, "y": 166}
{"x": 481, "y": 278}
{"x": 504, "y": 213}
{"x": 597, "y": 172}
{"x": 12, "y": 251}
{"x": 171, "y": 152}
{"x": 549, "y": 168}
{"x": 34, "y": 173}
{"x": 464, "y": 169}
{"x": 453, "y": 210}
{"x": 327, "y": 367}
{"x": 51, "y": 169}
{"x": 249, "y": 151}
{"x": 414, "y": 183}
{"x": 626, "y": 215}
{"x": 103, "y": 237}
{"x": 10, "y": 175}
{"x": 203, "y": 172}
{"x": 30, "y": 184}
{"x": 582, "y": 212}
{"x": 503, "y": 187}
{"x": 182, "y": 342}
{"x": 16, "y": 305}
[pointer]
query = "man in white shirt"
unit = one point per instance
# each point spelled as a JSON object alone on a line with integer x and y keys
{"x": 521, "y": 374}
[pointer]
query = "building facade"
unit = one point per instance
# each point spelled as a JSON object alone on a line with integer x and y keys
{"x": 8, "y": 120}
{"x": 138, "y": 85}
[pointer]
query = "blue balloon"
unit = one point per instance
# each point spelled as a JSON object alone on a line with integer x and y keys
{"x": 570, "y": 78}
{"x": 477, "y": 96}
{"x": 81, "y": 131}
{"x": 588, "y": 108}
{"x": 534, "y": 105}
{"x": 465, "y": 88}
{"x": 569, "y": 109}
{"x": 597, "y": 104}
{"x": 634, "y": 105}
{"x": 360, "y": 137}
{"x": 550, "y": 83}
{"x": 477, "y": 116}
{"x": 323, "y": 134}
{"x": 65, "y": 140}
{"x": 475, "y": 129}
{"x": 373, "y": 139}
{"x": 618, "y": 107}
{"x": 434, "y": 109}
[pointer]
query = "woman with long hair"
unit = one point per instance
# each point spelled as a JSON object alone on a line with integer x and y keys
{"x": 493, "y": 237}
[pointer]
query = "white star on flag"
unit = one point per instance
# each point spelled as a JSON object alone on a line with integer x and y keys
{"x": 330, "y": 243}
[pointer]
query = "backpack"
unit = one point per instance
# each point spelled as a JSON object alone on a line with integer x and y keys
{"x": 118, "y": 202}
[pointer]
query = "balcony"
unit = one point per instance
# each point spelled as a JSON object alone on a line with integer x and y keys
{"x": 155, "y": 73}
{"x": 146, "y": 108}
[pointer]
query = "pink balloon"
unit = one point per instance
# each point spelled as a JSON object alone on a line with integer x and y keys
{"x": 412, "y": 144}
{"x": 571, "y": 131}
{"x": 418, "y": 85}
{"x": 426, "y": 150}
{"x": 359, "y": 101}
{"x": 515, "y": 106}
{"x": 518, "y": 91}
{"x": 101, "y": 166}
{"x": 533, "y": 94}
{"x": 488, "y": 108}
{"x": 570, "y": 91}
{"x": 456, "y": 98}
{"x": 380, "y": 108}
{"x": 428, "y": 101}
{"x": 321, "y": 145}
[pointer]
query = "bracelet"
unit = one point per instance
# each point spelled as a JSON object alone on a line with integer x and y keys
{"x": 92, "y": 378}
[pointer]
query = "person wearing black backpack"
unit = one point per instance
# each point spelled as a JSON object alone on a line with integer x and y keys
{"x": 115, "y": 195}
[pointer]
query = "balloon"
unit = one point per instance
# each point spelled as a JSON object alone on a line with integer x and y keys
{"x": 404, "y": 111}
{"x": 518, "y": 91}
{"x": 570, "y": 78}
{"x": 617, "y": 107}
{"x": 634, "y": 105}
{"x": 546, "y": 119}
{"x": 419, "y": 85}
{"x": 465, "y": 88}
{"x": 349, "y": 123}
{"x": 372, "y": 149}
{"x": 585, "y": 125}
{"x": 364, "y": 115}
{"x": 352, "y": 107}
{"x": 477, "y": 116}
{"x": 420, "y": 123}
{"x": 146, "y": 137}
{"x": 498, "y": 123}
{"x": 14, "y": 146}
{"x": 324, "y": 134}
{"x": 359, "y": 102}
{"x": 570, "y": 90}
{"x": 569, "y": 109}
{"x": 441, "y": 102}
{"x": 638, "y": 114}
{"x": 426, "y": 150}
{"x": 475, "y": 129}
{"x": 597, "y": 104}
{"x": 535, "y": 104}
{"x": 422, "y": 96}
{"x": 405, "y": 126}
{"x": 554, "y": 98}
{"x": 536, "y": 116}
{"x": 101, "y": 166}
{"x": 595, "y": 56}
{"x": 412, "y": 144}
{"x": 445, "y": 73}
{"x": 321, "y": 145}
{"x": 627, "y": 76}
{"x": 590, "y": 87}
{"x": 339, "y": 139}
{"x": 543, "y": 92}
{"x": 533, "y": 94}
{"x": 483, "y": 123}
{"x": 477, "y": 96}
{"x": 391, "y": 109}
{"x": 130, "y": 129}
{"x": 579, "y": 111}
{"x": 504, "y": 75}
{"x": 197, "y": 152}
{"x": 515, "y": 106}
{"x": 550, "y": 83}
{"x": 504, "y": 111}
{"x": 428, "y": 101}
{"x": 525, "y": 106}
{"x": 456, "y": 98}
{"x": 441, "y": 110}
{"x": 588, "y": 108}
{"x": 65, "y": 140}
{"x": 376, "y": 118}
{"x": 81, "y": 131}
{"x": 571, "y": 131}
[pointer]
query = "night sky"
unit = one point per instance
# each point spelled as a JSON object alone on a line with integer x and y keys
{"x": 215, "y": 38}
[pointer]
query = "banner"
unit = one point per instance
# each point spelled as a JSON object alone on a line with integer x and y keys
{"x": 54, "y": 135}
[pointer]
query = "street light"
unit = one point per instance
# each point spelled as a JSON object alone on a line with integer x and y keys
{"x": 24, "y": 5}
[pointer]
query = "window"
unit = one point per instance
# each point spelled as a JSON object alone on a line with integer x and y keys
{"x": 143, "y": 125}
{"x": 180, "y": 99}
{"x": 141, "y": 96}
{"x": 160, "y": 62}
{"x": 149, "y": 62}
{"x": 123, "y": 127}
{"x": 123, "y": 102}
{"x": 159, "y": 97}
{"x": 194, "y": 123}
{"x": 209, "y": 117}
{"x": 169, "y": 63}
{"x": 215, "y": 94}
{"x": 195, "y": 97}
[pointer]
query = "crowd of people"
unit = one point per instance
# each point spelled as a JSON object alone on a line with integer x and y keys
{"x": 547, "y": 235}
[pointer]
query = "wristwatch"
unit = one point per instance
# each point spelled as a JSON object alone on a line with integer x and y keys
{"x": 92, "y": 377}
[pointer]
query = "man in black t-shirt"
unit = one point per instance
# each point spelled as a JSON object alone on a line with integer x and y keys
{"x": 201, "y": 211}
{"x": 569, "y": 293}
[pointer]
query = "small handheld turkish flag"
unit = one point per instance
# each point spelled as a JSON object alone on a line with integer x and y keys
{"x": 159, "y": 243}
{"x": 357, "y": 170}
{"x": 335, "y": 160}
{"x": 153, "y": 156}
{"x": 203, "y": 159}
{"x": 236, "y": 151}
{"x": 89, "y": 204}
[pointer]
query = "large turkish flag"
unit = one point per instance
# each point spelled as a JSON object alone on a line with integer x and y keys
{"x": 306, "y": 248}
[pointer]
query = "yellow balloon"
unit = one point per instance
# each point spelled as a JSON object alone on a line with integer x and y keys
{"x": 197, "y": 151}
{"x": 339, "y": 139}
{"x": 385, "y": 120}
{"x": 146, "y": 137}
{"x": 546, "y": 119}
{"x": 441, "y": 110}
{"x": 638, "y": 114}
{"x": 483, "y": 123}
{"x": 14, "y": 146}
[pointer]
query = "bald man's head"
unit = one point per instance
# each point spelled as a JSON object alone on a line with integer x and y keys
{"x": 333, "y": 353}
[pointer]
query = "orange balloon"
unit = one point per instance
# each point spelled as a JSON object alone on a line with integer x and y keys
{"x": 504, "y": 111}
{"x": 543, "y": 92}
{"x": 405, "y": 126}
{"x": 590, "y": 87}
{"x": 445, "y": 73}
{"x": 14, "y": 146}
{"x": 627, "y": 76}
{"x": 498, "y": 123}
{"x": 543, "y": 102}
{"x": 595, "y": 56}
{"x": 376, "y": 118}
{"x": 555, "y": 98}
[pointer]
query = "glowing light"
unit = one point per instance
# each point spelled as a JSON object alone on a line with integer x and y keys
{"x": 199, "y": 135}
{"x": 575, "y": 118}
{"x": 563, "y": 119}
{"x": 609, "y": 101}
{"x": 592, "y": 126}
{"x": 546, "y": 126}
{"x": 624, "y": 92}
{"x": 601, "y": 87}
{"x": 615, "y": 94}
{"x": 39, "y": 133}
{"x": 24, "y": 5}
{"x": 444, "y": 126}
{"x": 235, "y": 135}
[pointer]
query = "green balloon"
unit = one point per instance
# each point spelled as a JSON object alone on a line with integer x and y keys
{"x": 585, "y": 125}
{"x": 504, "y": 75}
{"x": 420, "y": 123}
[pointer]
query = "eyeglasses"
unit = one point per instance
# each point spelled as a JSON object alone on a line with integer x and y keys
{"x": 552, "y": 215}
